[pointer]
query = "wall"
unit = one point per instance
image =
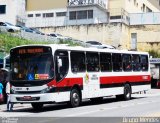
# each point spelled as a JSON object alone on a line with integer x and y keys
{"x": 14, "y": 8}
{"x": 36, "y": 5}
{"x": 115, "y": 34}
{"x": 10, "y": 11}
{"x": 148, "y": 36}
{"x": 104, "y": 33}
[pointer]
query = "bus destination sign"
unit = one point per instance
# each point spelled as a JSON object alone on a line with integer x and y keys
{"x": 30, "y": 51}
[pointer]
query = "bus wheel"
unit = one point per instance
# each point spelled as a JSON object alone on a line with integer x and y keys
{"x": 37, "y": 106}
{"x": 127, "y": 92}
{"x": 75, "y": 98}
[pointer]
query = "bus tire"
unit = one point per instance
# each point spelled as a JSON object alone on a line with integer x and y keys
{"x": 127, "y": 92}
{"x": 75, "y": 98}
{"x": 37, "y": 106}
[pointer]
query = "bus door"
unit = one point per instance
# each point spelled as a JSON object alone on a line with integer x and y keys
{"x": 61, "y": 69}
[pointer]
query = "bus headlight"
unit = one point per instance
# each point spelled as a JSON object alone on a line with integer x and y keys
{"x": 48, "y": 89}
{"x": 13, "y": 91}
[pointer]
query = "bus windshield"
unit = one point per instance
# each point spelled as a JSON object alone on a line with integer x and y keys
{"x": 32, "y": 67}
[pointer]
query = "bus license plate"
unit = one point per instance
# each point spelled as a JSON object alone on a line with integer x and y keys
{"x": 27, "y": 98}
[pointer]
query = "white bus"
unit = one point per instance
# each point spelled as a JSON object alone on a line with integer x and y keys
{"x": 57, "y": 73}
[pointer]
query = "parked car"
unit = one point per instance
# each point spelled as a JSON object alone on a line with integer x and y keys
{"x": 37, "y": 31}
{"x": 5, "y": 26}
{"x": 99, "y": 45}
{"x": 26, "y": 29}
{"x": 59, "y": 36}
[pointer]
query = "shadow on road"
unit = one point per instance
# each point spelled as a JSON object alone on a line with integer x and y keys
{"x": 62, "y": 106}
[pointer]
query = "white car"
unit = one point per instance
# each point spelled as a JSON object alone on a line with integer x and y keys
{"x": 59, "y": 36}
{"x": 99, "y": 45}
{"x": 5, "y": 26}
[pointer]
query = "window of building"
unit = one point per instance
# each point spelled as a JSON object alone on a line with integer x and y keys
{"x": 48, "y": 14}
{"x": 105, "y": 62}
{"x": 136, "y": 66}
{"x": 92, "y": 61}
{"x": 82, "y": 14}
{"x": 144, "y": 62}
{"x": 117, "y": 62}
{"x": 38, "y": 15}
{"x": 72, "y": 15}
{"x": 2, "y": 9}
{"x": 116, "y": 17}
{"x": 126, "y": 59}
{"x": 78, "y": 62}
{"x": 90, "y": 14}
{"x": 60, "y": 14}
{"x": 30, "y": 15}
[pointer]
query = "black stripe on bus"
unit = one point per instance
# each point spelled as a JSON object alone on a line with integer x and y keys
{"x": 63, "y": 89}
{"x": 122, "y": 84}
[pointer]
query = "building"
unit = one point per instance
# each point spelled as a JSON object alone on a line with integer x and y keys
{"x": 12, "y": 11}
{"x": 120, "y": 10}
{"x": 66, "y": 12}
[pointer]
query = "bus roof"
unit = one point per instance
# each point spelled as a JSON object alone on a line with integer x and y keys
{"x": 80, "y": 48}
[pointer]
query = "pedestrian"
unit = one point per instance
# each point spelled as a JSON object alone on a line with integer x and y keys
{"x": 1, "y": 92}
{"x": 9, "y": 103}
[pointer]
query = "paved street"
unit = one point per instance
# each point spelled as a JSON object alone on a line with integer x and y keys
{"x": 141, "y": 105}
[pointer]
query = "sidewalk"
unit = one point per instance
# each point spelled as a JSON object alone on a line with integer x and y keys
{"x": 3, "y": 107}
{"x": 151, "y": 92}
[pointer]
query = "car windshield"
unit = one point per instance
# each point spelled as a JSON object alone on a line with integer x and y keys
{"x": 9, "y": 24}
{"x": 93, "y": 42}
{"x": 59, "y": 35}
{"x": 32, "y": 67}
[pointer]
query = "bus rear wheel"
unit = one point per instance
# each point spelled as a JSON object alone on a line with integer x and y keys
{"x": 127, "y": 93}
{"x": 75, "y": 98}
{"x": 37, "y": 106}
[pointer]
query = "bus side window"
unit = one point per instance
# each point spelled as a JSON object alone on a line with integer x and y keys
{"x": 136, "y": 63}
{"x": 127, "y": 62}
{"x": 92, "y": 62}
{"x": 105, "y": 62}
{"x": 144, "y": 62}
{"x": 117, "y": 62}
{"x": 78, "y": 62}
{"x": 62, "y": 64}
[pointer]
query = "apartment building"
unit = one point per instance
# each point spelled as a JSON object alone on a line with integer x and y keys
{"x": 12, "y": 11}
{"x": 65, "y": 12}
{"x": 120, "y": 9}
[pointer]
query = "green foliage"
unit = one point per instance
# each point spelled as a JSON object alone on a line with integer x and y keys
{"x": 69, "y": 42}
{"x": 7, "y": 42}
{"x": 154, "y": 54}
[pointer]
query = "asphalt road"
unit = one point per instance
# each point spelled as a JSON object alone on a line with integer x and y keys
{"x": 109, "y": 110}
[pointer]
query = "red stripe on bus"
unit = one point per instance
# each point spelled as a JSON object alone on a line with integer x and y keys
{"x": 123, "y": 79}
{"x": 67, "y": 82}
